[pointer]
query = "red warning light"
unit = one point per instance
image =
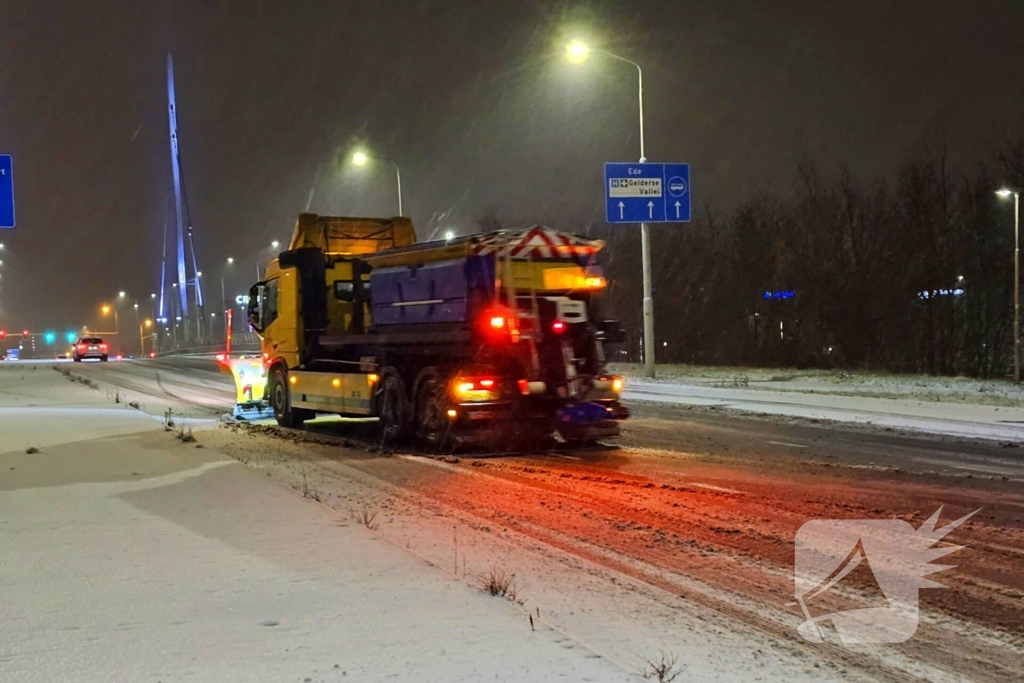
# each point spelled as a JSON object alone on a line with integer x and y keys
{"x": 25, "y": 334}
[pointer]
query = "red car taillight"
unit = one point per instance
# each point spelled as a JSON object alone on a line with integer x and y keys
{"x": 103, "y": 347}
{"x": 82, "y": 348}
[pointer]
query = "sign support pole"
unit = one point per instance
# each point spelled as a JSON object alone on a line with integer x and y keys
{"x": 648, "y": 302}
{"x": 645, "y": 250}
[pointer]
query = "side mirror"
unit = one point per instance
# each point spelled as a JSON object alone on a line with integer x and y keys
{"x": 611, "y": 332}
{"x": 254, "y": 309}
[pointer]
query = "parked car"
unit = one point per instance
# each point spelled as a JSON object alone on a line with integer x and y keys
{"x": 90, "y": 347}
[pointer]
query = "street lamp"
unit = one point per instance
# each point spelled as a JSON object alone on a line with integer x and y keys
{"x": 120, "y": 295}
{"x": 577, "y": 52}
{"x": 360, "y": 158}
{"x": 1006, "y": 193}
{"x": 147, "y": 323}
{"x": 223, "y": 297}
{"x": 275, "y": 244}
{"x": 106, "y": 309}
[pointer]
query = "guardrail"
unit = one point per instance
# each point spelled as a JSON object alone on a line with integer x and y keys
{"x": 242, "y": 342}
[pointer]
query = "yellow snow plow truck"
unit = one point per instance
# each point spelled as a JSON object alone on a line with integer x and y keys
{"x": 476, "y": 339}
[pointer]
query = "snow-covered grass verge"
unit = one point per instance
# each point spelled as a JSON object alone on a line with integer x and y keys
{"x": 839, "y": 382}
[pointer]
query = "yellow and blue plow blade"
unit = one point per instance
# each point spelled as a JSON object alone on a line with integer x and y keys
{"x": 250, "y": 383}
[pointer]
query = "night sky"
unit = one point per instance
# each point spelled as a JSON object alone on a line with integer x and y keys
{"x": 472, "y": 98}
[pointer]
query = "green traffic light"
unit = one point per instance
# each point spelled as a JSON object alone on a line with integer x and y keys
{"x": 70, "y": 336}
{"x": 50, "y": 337}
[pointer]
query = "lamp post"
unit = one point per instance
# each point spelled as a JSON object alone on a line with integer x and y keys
{"x": 106, "y": 309}
{"x": 142, "y": 343}
{"x": 223, "y": 297}
{"x": 360, "y": 159}
{"x": 577, "y": 52}
{"x": 1006, "y": 193}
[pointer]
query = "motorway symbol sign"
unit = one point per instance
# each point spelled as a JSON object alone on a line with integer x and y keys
{"x": 647, "y": 193}
{"x": 6, "y": 191}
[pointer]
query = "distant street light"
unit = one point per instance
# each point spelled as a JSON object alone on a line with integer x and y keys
{"x": 106, "y": 309}
{"x": 1006, "y": 193}
{"x": 577, "y": 52}
{"x": 360, "y": 158}
{"x": 120, "y": 295}
{"x": 275, "y": 244}
{"x": 147, "y": 323}
{"x": 449, "y": 236}
{"x": 223, "y": 298}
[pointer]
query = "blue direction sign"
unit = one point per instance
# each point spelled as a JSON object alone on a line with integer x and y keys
{"x": 647, "y": 193}
{"x": 6, "y": 192}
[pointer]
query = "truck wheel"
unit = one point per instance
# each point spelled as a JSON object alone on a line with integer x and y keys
{"x": 285, "y": 415}
{"x": 392, "y": 409}
{"x": 433, "y": 428}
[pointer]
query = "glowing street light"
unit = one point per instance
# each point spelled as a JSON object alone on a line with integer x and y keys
{"x": 121, "y": 294}
{"x": 1006, "y": 193}
{"x": 275, "y": 244}
{"x": 144, "y": 325}
{"x": 360, "y": 158}
{"x": 106, "y": 309}
{"x": 576, "y": 53}
{"x": 449, "y": 236}
{"x": 223, "y": 297}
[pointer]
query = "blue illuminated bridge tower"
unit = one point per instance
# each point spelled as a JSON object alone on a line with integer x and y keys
{"x": 180, "y": 307}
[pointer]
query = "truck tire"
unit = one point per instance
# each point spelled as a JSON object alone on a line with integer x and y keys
{"x": 392, "y": 408}
{"x": 433, "y": 428}
{"x": 285, "y": 415}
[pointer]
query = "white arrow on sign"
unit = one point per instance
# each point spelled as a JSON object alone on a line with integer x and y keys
{"x": 650, "y": 210}
{"x": 677, "y": 209}
{"x": 622, "y": 208}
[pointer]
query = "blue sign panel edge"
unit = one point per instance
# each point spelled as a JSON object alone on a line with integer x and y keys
{"x": 7, "y": 163}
